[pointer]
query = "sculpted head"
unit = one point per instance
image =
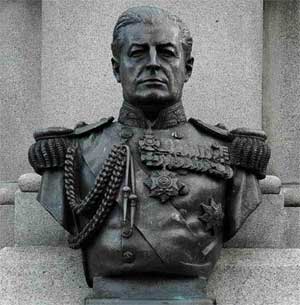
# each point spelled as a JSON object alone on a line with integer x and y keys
{"x": 151, "y": 57}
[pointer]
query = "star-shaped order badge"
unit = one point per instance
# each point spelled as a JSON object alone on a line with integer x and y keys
{"x": 212, "y": 215}
{"x": 164, "y": 185}
{"x": 149, "y": 142}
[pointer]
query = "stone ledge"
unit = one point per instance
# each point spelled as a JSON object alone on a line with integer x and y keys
{"x": 270, "y": 185}
{"x": 291, "y": 196}
{"x": 7, "y": 226}
{"x": 54, "y": 275}
{"x": 265, "y": 227}
{"x": 29, "y": 182}
{"x": 7, "y": 192}
{"x": 34, "y": 226}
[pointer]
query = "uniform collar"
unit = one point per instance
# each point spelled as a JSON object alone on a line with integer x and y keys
{"x": 168, "y": 117}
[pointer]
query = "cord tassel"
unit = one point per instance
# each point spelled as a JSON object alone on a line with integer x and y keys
{"x": 126, "y": 189}
{"x": 133, "y": 197}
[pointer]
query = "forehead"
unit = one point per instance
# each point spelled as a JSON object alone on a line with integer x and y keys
{"x": 152, "y": 34}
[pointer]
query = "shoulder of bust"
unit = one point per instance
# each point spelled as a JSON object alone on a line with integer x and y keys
{"x": 52, "y": 143}
{"x": 250, "y": 151}
{"x": 247, "y": 147}
{"x": 219, "y": 131}
{"x": 82, "y": 129}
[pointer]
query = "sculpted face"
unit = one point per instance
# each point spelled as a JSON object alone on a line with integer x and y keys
{"x": 152, "y": 67}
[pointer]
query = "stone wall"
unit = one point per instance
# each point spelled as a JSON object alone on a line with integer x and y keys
{"x": 20, "y": 54}
{"x": 76, "y": 78}
{"x": 78, "y": 84}
{"x": 281, "y": 107}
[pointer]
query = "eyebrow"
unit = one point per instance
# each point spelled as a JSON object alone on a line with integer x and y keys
{"x": 160, "y": 45}
{"x": 167, "y": 44}
{"x": 138, "y": 45}
{"x": 163, "y": 44}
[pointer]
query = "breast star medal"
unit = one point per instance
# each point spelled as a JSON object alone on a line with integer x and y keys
{"x": 212, "y": 215}
{"x": 164, "y": 185}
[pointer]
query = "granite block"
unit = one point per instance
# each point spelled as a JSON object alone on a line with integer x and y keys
{"x": 6, "y": 197}
{"x": 6, "y": 226}
{"x": 291, "y": 196}
{"x": 265, "y": 227}
{"x": 41, "y": 276}
{"x": 292, "y": 232}
{"x": 257, "y": 277}
{"x": 34, "y": 225}
{"x": 7, "y": 192}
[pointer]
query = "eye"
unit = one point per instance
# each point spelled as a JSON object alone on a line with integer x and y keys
{"x": 167, "y": 52}
{"x": 136, "y": 53}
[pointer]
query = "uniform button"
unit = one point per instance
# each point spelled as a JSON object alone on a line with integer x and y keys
{"x": 126, "y": 133}
{"x": 127, "y": 232}
{"x": 128, "y": 257}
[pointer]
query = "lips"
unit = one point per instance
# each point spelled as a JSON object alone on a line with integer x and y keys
{"x": 153, "y": 81}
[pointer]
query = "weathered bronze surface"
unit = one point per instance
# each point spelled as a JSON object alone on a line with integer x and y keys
{"x": 152, "y": 193}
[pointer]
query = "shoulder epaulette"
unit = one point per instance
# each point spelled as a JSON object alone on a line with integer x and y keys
{"x": 248, "y": 148}
{"x": 218, "y": 130}
{"x": 83, "y": 128}
{"x": 49, "y": 150}
{"x": 250, "y": 151}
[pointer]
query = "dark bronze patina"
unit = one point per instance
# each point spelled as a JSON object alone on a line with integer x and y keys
{"x": 152, "y": 195}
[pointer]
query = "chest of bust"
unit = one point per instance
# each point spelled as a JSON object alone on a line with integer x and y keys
{"x": 180, "y": 178}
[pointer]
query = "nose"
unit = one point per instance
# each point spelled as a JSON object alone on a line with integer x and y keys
{"x": 153, "y": 63}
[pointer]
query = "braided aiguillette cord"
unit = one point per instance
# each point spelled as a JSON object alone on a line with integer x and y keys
{"x": 94, "y": 194}
{"x": 116, "y": 162}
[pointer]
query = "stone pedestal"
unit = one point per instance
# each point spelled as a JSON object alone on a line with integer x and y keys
{"x": 54, "y": 276}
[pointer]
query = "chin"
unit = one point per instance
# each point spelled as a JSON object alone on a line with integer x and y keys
{"x": 153, "y": 97}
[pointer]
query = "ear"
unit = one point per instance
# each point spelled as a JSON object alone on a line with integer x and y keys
{"x": 189, "y": 68}
{"x": 116, "y": 69}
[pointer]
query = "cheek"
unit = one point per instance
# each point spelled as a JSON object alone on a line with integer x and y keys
{"x": 177, "y": 75}
{"x": 128, "y": 73}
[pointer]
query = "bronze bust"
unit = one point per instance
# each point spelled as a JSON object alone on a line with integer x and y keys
{"x": 151, "y": 193}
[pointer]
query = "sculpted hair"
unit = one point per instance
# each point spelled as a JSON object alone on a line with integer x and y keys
{"x": 149, "y": 15}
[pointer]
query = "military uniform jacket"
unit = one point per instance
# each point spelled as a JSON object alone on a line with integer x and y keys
{"x": 195, "y": 186}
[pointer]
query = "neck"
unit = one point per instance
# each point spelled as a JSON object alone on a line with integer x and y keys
{"x": 151, "y": 109}
{"x": 161, "y": 118}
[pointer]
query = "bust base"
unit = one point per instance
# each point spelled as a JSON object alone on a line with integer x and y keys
{"x": 149, "y": 290}
{"x": 97, "y": 301}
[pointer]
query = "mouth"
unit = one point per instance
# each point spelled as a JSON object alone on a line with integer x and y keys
{"x": 153, "y": 81}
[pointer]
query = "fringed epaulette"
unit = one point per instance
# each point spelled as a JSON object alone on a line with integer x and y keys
{"x": 247, "y": 147}
{"x": 250, "y": 151}
{"x": 49, "y": 150}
